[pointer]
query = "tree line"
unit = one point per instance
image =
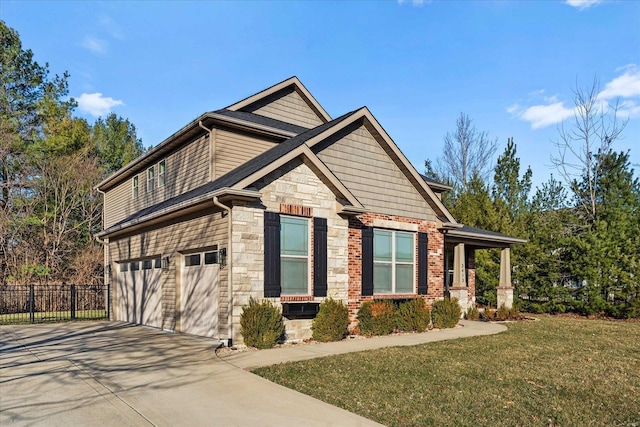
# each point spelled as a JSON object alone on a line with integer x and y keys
{"x": 50, "y": 161}
{"x": 582, "y": 228}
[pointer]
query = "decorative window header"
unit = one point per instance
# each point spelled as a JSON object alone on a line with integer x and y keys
{"x": 296, "y": 210}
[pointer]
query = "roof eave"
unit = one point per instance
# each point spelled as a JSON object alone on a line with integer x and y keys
{"x": 223, "y": 194}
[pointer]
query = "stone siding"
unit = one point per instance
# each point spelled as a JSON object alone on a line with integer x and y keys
{"x": 283, "y": 190}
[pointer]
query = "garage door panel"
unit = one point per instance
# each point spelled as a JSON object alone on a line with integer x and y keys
{"x": 149, "y": 297}
{"x": 139, "y": 297}
{"x": 126, "y": 298}
{"x": 199, "y": 300}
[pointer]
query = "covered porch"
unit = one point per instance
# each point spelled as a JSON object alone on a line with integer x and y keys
{"x": 460, "y": 244}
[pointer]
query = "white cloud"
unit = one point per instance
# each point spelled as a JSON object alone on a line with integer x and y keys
{"x": 112, "y": 27}
{"x": 624, "y": 86}
{"x": 96, "y": 104}
{"x": 413, "y": 2}
{"x": 544, "y": 115}
{"x": 583, "y": 4}
{"x": 95, "y": 44}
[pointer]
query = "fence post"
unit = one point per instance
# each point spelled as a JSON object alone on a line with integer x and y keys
{"x": 73, "y": 302}
{"x": 109, "y": 301}
{"x": 32, "y": 303}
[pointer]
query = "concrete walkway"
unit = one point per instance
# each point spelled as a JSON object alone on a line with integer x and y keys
{"x": 115, "y": 374}
{"x": 256, "y": 358}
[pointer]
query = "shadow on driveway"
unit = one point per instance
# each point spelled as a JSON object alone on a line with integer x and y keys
{"x": 112, "y": 373}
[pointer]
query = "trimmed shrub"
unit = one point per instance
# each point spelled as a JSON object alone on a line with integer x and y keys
{"x": 413, "y": 316}
{"x": 473, "y": 313}
{"x": 331, "y": 322}
{"x": 446, "y": 313}
{"x": 377, "y": 317}
{"x": 262, "y": 324}
{"x": 488, "y": 314}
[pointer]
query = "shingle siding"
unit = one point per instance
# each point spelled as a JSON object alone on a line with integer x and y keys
{"x": 359, "y": 161}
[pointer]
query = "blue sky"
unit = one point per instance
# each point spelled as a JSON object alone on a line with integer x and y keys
{"x": 509, "y": 65}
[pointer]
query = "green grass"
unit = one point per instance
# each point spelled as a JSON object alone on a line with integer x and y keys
{"x": 51, "y": 316}
{"x": 555, "y": 372}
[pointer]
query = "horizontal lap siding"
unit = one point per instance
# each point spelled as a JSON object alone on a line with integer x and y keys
{"x": 291, "y": 108}
{"x": 202, "y": 229}
{"x": 186, "y": 169}
{"x": 366, "y": 169}
{"x": 234, "y": 148}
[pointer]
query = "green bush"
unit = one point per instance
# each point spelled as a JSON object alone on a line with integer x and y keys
{"x": 413, "y": 316}
{"x": 446, "y": 313}
{"x": 331, "y": 322}
{"x": 488, "y": 314}
{"x": 473, "y": 313}
{"x": 502, "y": 313}
{"x": 514, "y": 313}
{"x": 377, "y": 317}
{"x": 262, "y": 324}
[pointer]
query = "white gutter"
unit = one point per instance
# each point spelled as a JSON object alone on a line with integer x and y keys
{"x": 229, "y": 266}
{"x": 226, "y": 191}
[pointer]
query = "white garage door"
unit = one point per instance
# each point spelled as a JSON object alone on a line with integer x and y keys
{"x": 139, "y": 292}
{"x": 199, "y": 294}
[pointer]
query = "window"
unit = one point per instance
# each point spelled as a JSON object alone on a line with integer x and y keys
{"x": 135, "y": 266}
{"x": 124, "y": 267}
{"x": 294, "y": 255}
{"x": 150, "y": 178}
{"x": 192, "y": 260}
{"x": 157, "y": 263}
{"x": 135, "y": 187}
{"x": 210, "y": 258}
{"x": 162, "y": 167}
{"x": 393, "y": 262}
{"x": 147, "y": 264}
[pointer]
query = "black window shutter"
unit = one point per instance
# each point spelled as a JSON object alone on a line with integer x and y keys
{"x": 271, "y": 254}
{"x": 367, "y": 261}
{"x": 319, "y": 257}
{"x": 423, "y": 263}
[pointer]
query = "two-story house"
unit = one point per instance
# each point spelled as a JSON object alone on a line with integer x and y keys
{"x": 272, "y": 198}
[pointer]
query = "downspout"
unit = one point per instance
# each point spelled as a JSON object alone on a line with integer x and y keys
{"x": 229, "y": 266}
{"x": 212, "y": 150}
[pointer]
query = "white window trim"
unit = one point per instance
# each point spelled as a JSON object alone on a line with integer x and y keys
{"x": 152, "y": 179}
{"x": 393, "y": 263}
{"x": 135, "y": 187}
{"x": 308, "y": 256}
{"x": 163, "y": 174}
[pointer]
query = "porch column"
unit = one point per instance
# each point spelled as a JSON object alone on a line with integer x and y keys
{"x": 459, "y": 289}
{"x": 505, "y": 289}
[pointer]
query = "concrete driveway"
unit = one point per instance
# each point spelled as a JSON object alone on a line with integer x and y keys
{"x": 116, "y": 374}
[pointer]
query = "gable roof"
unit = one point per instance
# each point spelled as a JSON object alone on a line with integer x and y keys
{"x": 262, "y": 120}
{"x": 290, "y": 82}
{"x": 398, "y": 157}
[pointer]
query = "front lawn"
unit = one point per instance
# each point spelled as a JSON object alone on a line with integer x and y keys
{"x": 555, "y": 372}
{"x": 51, "y": 316}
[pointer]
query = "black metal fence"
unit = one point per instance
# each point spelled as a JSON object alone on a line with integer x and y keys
{"x": 53, "y": 303}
